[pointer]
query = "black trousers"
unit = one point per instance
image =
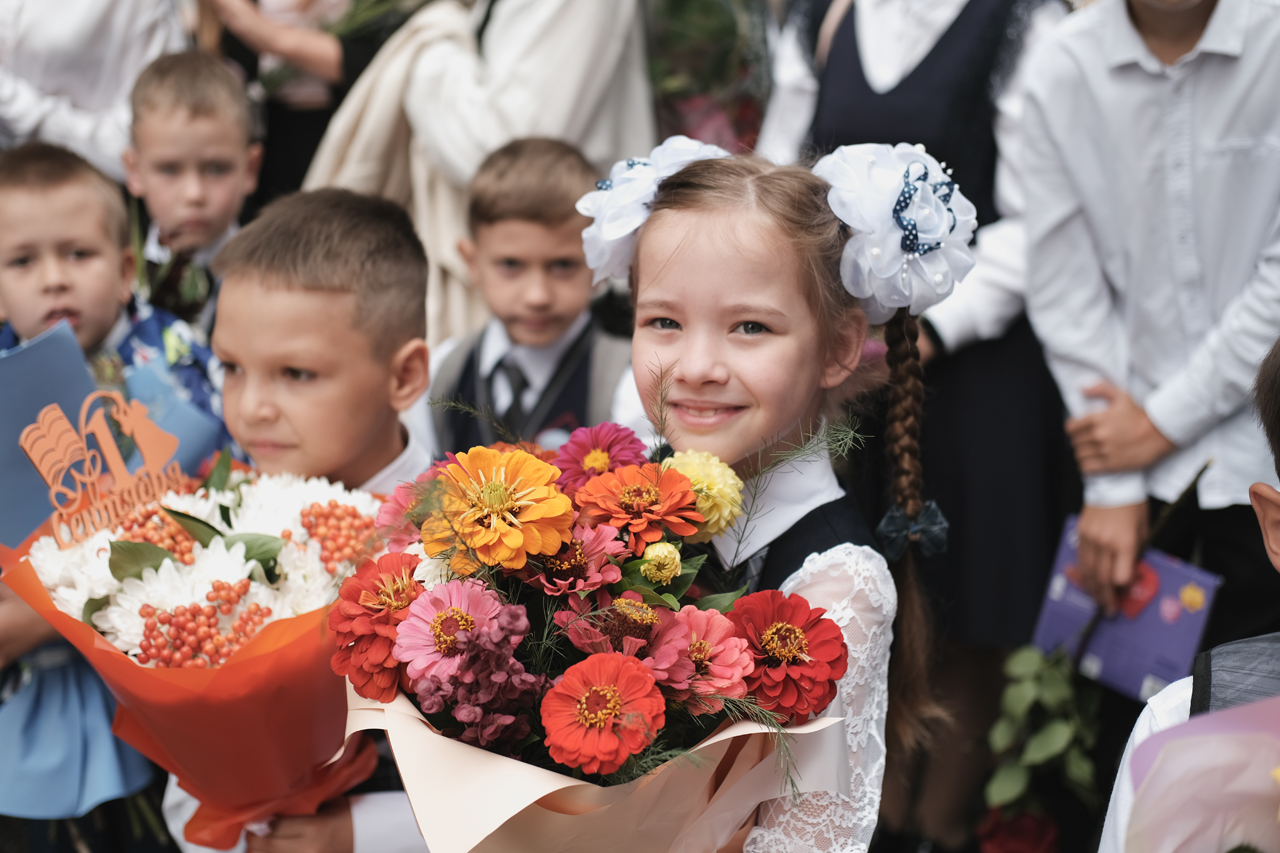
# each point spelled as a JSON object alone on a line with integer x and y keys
{"x": 1227, "y": 542}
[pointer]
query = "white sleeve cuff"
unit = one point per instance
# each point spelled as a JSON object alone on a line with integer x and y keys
{"x": 178, "y": 807}
{"x": 1178, "y": 415}
{"x": 384, "y": 823}
{"x": 1123, "y": 489}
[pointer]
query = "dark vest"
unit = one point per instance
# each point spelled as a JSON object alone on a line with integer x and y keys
{"x": 821, "y": 530}
{"x": 1236, "y": 674}
{"x": 579, "y": 394}
{"x": 945, "y": 102}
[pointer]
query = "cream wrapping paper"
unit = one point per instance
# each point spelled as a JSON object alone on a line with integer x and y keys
{"x": 466, "y": 799}
{"x": 1208, "y": 794}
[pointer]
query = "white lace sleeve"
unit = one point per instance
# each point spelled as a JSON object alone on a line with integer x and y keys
{"x": 854, "y": 586}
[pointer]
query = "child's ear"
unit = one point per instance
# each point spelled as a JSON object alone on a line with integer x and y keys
{"x": 846, "y": 351}
{"x": 128, "y": 273}
{"x": 252, "y": 167}
{"x": 470, "y": 256}
{"x": 410, "y": 373}
{"x": 132, "y": 171}
{"x": 1266, "y": 503}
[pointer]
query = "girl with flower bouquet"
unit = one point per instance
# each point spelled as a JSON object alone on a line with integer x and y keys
{"x": 754, "y": 285}
{"x": 561, "y": 617}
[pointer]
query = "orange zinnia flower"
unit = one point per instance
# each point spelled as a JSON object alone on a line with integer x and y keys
{"x": 605, "y": 710}
{"x": 497, "y": 508}
{"x": 643, "y": 499}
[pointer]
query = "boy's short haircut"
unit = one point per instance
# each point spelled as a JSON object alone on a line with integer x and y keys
{"x": 194, "y": 81}
{"x": 1266, "y": 397}
{"x": 35, "y": 166}
{"x": 337, "y": 241}
{"x": 536, "y": 180}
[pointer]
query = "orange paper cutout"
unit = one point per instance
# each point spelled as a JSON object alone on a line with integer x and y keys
{"x": 99, "y": 502}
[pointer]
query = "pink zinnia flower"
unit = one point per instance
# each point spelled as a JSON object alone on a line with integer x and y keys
{"x": 721, "y": 659}
{"x": 394, "y": 521}
{"x": 427, "y": 640}
{"x": 626, "y": 624}
{"x": 583, "y": 564}
{"x": 592, "y": 451}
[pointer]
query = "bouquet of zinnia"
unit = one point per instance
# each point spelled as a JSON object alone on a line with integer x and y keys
{"x": 543, "y": 621}
{"x": 204, "y": 610}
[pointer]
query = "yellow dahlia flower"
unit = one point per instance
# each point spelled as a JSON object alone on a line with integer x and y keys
{"x": 718, "y": 488}
{"x": 664, "y": 563}
{"x": 500, "y": 506}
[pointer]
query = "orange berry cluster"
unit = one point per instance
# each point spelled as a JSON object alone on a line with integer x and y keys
{"x": 344, "y": 534}
{"x": 189, "y": 637}
{"x": 151, "y": 524}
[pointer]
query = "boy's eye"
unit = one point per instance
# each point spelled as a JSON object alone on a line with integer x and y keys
{"x": 664, "y": 323}
{"x": 19, "y": 261}
{"x": 170, "y": 169}
{"x": 217, "y": 169}
{"x": 297, "y": 374}
{"x": 750, "y": 327}
{"x": 510, "y": 265}
{"x": 564, "y": 267}
{"x": 231, "y": 368}
{"x": 80, "y": 254}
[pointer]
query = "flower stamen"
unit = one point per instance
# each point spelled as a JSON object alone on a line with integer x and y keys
{"x": 600, "y": 704}
{"x": 597, "y": 460}
{"x": 445, "y": 627}
{"x": 785, "y": 643}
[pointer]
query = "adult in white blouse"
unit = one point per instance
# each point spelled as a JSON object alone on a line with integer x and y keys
{"x": 1152, "y": 172}
{"x": 951, "y": 74}
{"x": 66, "y": 70}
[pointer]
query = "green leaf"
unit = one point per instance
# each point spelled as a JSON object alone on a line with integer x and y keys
{"x": 260, "y": 547}
{"x": 128, "y": 559}
{"x": 92, "y": 606}
{"x": 1079, "y": 767}
{"x": 221, "y": 472}
{"x": 647, "y": 595}
{"x": 1023, "y": 663}
{"x": 1018, "y": 699}
{"x": 1055, "y": 689}
{"x": 1007, "y": 784}
{"x": 225, "y": 512}
{"x": 1002, "y": 735}
{"x": 200, "y": 530}
{"x": 1047, "y": 743}
{"x": 257, "y": 546}
{"x": 670, "y": 601}
{"x": 721, "y": 601}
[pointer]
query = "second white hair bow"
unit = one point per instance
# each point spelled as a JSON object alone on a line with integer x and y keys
{"x": 911, "y": 226}
{"x": 620, "y": 203}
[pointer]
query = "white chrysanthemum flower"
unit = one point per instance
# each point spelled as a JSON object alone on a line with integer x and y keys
{"x": 77, "y": 574}
{"x": 274, "y": 504}
{"x": 206, "y": 506}
{"x": 304, "y": 583}
{"x": 164, "y": 588}
{"x": 218, "y": 563}
{"x": 430, "y": 570}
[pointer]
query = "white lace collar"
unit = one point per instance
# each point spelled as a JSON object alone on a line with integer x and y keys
{"x": 787, "y": 495}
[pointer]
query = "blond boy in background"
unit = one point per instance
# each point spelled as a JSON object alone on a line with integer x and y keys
{"x": 542, "y": 366}
{"x": 192, "y": 161}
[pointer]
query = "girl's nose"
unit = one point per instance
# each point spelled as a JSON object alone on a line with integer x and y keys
{"x": 702, "y": 361}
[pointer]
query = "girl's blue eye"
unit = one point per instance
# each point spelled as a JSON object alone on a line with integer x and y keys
{"x": 752, "y": 328}
{"x": 665, "y": 323}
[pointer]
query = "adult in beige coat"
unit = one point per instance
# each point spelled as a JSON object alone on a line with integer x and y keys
{"x": 434, "y": 103}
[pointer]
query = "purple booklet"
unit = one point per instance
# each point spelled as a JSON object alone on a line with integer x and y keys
{"x": 1153, "y": 637}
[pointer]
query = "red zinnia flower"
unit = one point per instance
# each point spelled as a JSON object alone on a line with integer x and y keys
{"x": 602, "y": 712}
{"x": 592, "y": 451}
{"x": 643, "y": 499}
{"x": 799, "y": 654}
{"x": 371, "y": 605}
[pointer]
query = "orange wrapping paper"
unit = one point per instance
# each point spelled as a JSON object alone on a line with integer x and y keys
{"x": 251, "y": 739}
{"x": 467, "y": 800}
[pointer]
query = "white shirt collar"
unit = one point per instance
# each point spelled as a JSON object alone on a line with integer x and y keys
{"x": 157, "y": 254}
{"x": 538, "y": 363}
{"x": 412, "y": 461}
{"x": 1223, "y": 35}
{"x": 789, "y": 494}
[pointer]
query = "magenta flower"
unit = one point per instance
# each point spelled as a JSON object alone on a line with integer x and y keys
{"x": 583, "y": 564}
{"x": 395, "y": 524}
{"x": 592, "y": 451}
{"x": 428, "y": 640}
{"x": 626, "y": 624}
{"x": 720, "y": 659}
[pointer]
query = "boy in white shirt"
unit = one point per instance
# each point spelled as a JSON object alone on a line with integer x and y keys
{"x": 192, "y": 161}
{"x": 542, "y": 367}
{"x": 1240, "y": 672}
{"x": 1153, "y": 217}
{"x": 320, "y": 331}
